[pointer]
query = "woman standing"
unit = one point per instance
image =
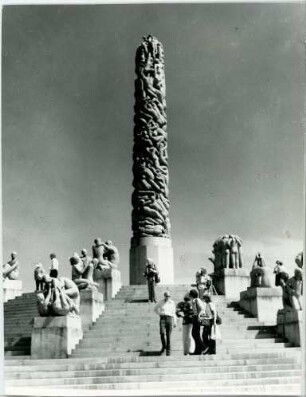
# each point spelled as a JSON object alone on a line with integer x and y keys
{"x": 209, "y": 318}
{"x": 185, "y": 310}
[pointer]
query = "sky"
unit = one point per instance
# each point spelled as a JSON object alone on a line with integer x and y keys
{"x": 235, "y": 97}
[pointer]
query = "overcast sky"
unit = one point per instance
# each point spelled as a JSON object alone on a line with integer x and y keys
{"x": 234, "y": 76}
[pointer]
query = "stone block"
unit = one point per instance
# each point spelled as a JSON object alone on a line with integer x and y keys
{"x": 11, "y": 289}
{"x": 230, "y": 282}
{"x": 160, "y": 250}
{"x": 91, "y": 307}
{"x": 290, "y": 325}
{"x": 109, "y": 282}
{"x": 262, "y": 302}
{"x": 55, "y": 337}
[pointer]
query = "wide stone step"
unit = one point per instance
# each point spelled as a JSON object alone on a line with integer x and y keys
{"x": 149, "y": 371}
{"x": 284, "y": 354}
{"x": 14, "y": 370}
{"x": 150, "y": 340}
{"x": 153, "y": 348}
{"x": 292, "y": 389}
{"x": 210, "y": 378}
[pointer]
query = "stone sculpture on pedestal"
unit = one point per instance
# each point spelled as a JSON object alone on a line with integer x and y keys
{"x": 82, "y": 271}
{"x": 229, "y": 278}
{"x": 11, "y": 268}
{"x": 227, "y": 252}
{"x": 59, "y": 297}
{"x": 294, "y": 289}
{"x": 261, "y": 275}
{"x": 105, "y": 255}
{"x": 150, "y": 199}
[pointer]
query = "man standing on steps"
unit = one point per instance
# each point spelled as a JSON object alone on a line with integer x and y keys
{"x": 166, "y": 311}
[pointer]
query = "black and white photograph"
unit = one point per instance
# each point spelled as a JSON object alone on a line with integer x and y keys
{"x": 152, "y": 199}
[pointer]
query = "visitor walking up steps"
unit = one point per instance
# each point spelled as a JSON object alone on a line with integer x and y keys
{"x": 166, "y": 311}
{"x": 185, "y": 310}
{"x": 198, "y": 308}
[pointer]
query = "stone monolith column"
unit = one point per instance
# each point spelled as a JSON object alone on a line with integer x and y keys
{"x": 150, "y": 199}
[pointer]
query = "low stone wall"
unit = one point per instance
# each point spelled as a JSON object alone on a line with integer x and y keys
{"x": 109, "y": 282}
{"x": 262, "y": 303}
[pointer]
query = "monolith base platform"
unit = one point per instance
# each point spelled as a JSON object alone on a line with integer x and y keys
{"x": 230, "y": 282}
{"x": 290, "y": 325}
{"x": 262, "y": 303}
{"x": 11, "y": 289}
{"x": 91, "y": 306}
{"x": 160, "y": 250}
{"x": 55, "y": 337}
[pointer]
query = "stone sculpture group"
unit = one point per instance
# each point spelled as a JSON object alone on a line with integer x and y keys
{"x": 150, "y": 199}
{"x": 59, "y": 296}
{"x": 227, "y": 252}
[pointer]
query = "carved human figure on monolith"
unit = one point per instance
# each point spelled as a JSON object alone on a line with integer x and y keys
{"x": 11, "y": 269}
{"x": 82, "y": 271}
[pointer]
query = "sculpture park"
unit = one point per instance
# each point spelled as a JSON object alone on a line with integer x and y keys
{"x": 86, "y": 324}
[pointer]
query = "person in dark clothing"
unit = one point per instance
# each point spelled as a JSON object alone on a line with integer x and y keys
{"x": 185, "y": 310}
{"x": 198, "y": 308}
{"x": 151, "y": 273}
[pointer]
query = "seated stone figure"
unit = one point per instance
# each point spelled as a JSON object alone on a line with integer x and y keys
{"x": 59, "y": 298}
{"x": 82, "y": 271}
{"x": 261, "y": 275}
{"x": 294, "y": 288}
{"x": 11, "y": 268}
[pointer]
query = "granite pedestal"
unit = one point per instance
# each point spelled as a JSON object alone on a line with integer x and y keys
{"x": 290, "y": 325}
{"x": 230, "y": 282}
{"x": 11, "y": 289}
{"x": 109, "y": 282}
{"x": 55, "y": 337}
{"x": 91, "y": 307}
{"x": 160, "y": 250}
{"x": 262, "y": 303}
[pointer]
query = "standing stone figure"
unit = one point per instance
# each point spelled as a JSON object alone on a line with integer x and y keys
{"x": 261, "y": 275}
{"x": 294, "y": 288}
{"x": 227, "y": 252}
{"x": 150, "y": 199}
{"x": 11, "y": 268}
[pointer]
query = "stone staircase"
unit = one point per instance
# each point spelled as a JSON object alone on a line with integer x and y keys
{"x": 120, "y": 353}
{"x": 18, "y": 322}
